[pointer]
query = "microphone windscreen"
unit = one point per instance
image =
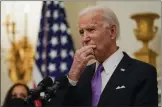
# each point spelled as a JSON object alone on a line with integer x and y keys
{"x": 47, "y": 81}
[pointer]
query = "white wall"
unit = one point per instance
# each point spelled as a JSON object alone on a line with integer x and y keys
{"x": 123, "y": 10}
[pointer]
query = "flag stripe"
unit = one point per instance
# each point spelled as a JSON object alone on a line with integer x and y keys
{"x": 37, "y": 76}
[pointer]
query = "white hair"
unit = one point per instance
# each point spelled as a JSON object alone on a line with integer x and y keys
{"x": 109, "y": 16}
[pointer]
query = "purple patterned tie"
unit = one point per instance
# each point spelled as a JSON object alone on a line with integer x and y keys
{"x": 96, "y": 85}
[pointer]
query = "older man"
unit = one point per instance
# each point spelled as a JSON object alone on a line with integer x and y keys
{"x": 115, "y": 79}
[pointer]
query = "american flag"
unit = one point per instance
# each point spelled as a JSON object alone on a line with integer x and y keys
{"x": 54, "y": 52}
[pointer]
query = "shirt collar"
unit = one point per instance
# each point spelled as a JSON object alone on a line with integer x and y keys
{"x": 112, "y": 61}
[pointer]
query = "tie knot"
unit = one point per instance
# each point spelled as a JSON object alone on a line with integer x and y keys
{"x": 100, "y": 68}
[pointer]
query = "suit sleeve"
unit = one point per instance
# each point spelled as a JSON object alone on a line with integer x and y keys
{"x": 64, "y": 96}
{"x": 147, "y": 91}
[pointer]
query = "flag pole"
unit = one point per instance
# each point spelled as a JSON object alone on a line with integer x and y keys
{"x": 46, "y": 39}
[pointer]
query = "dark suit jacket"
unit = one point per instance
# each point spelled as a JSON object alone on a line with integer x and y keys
{"x": 139, "y": 80}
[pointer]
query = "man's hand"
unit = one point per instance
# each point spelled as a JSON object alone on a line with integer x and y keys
{"x": 81, "y": 58}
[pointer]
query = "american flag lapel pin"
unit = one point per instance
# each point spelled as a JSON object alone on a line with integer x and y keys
{"x": 122, "y": 69}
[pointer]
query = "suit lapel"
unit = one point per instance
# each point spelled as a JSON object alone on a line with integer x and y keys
{"x": 85, "y": 85}
{"x": 92, "y": 70}
{"x": 116, "y": 77}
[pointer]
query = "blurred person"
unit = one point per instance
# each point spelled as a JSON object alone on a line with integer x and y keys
{"x": 17, "y": 91}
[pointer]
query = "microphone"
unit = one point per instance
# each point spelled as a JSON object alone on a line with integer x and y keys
{"x": 58, "y": 84}
{"x": 35, "y": 93}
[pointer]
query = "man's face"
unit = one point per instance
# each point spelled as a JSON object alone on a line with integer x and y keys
{"x": 94, "y": 32}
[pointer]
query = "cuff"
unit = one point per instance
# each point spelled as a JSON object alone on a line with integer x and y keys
{"x": 73, "y": 83}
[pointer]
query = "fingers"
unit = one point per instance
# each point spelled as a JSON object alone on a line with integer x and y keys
{"x": 90, "y": 57}
{"x": 87, "y": 52}
{"x": 81, "y": 58}
{"x": 83, "y": 53}
{"x": 87, "y": 47}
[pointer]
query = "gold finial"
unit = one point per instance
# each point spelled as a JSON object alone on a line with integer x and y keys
{"x": 145, "y": 32}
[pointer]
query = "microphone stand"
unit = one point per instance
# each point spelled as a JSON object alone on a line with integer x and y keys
{"x": 32, "y": 97}
{"x": 51, "y": 91}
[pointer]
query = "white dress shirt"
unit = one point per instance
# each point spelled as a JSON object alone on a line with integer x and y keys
{"x": 109, "y": 65}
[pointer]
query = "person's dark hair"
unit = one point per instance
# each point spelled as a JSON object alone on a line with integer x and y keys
{"x": 9, "y": 93}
